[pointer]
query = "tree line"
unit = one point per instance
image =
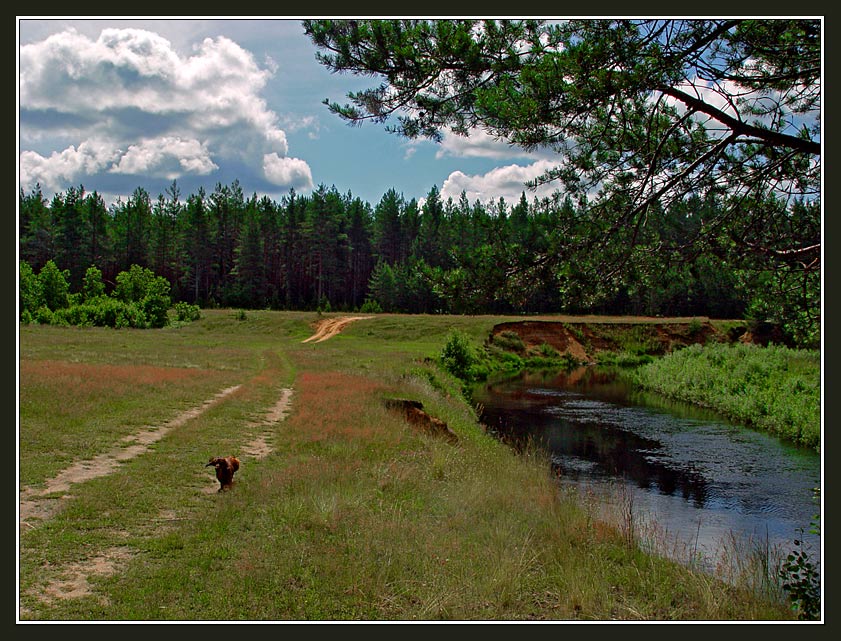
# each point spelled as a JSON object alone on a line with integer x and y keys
{"x": 333, "y": 251}
{"x": 642, "y": 116}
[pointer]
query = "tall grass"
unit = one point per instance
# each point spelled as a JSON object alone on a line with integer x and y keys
{"x": 354, "y": 515}
{"x": 774, "y": 388}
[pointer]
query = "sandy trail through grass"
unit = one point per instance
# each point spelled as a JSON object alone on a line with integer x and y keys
{"x": 72, "y": 581}
{"x": 260, "y": 447}
{"x": 329, "y": 327}
{"x": 32, "y": 501}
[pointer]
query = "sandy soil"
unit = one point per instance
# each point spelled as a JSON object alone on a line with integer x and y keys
{"x": 329, "y": 327}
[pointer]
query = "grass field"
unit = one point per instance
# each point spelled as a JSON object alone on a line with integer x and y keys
{"x": 341, "y": 510}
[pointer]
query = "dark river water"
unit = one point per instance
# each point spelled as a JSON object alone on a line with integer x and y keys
{"x": 701, "y": 487}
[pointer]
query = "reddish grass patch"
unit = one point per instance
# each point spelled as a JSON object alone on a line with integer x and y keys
{"x": 103, "y": 379}
{"x": 335, "y": 405}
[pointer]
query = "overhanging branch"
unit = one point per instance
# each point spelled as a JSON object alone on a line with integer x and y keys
{"x": 742, "y": 128}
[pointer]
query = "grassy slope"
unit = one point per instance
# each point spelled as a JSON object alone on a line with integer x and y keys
{"x": 773, "y": 388}
{"x": 354, "y": 515}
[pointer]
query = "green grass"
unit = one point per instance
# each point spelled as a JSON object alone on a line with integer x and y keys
{"x": 775, "y": 388}
{"x": 354, "y": 515}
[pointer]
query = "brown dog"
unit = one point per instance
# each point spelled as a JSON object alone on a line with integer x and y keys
{"x": 225, "y": 468}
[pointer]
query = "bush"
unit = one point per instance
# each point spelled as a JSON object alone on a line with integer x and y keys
{"x": 695, "y": 327}
{"x": 546, "y": 351}
{"x": 30, "y": 291}
{"x": 140, "y": 285}
{"x": 102, "y": 312}
{"x": 185, "y": 312}
{"x": 324, "y": 306}
{"x": 54, "y": 286}
{"x": 371, "y": 306}
{"x": 93, "y": 286}
{"x": 156, "y": 309}
{"x": 140, "y": 299}
{"x": 509, "y": 341}
{"x": 457, "y": 356}
{"x": 44, "y": 315}
{"x": 74, "y": 315}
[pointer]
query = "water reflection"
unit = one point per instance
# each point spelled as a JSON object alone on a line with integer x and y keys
{"x": 698, "y": 475}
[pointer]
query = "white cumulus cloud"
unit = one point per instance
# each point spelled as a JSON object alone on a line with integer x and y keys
{"x": 480, "y": 144}
{"x": 292, "y": 172}
{"x": 62, "y": 168}
{"x": 507, "y": 182}
{"x": 136, "y": 106}
{"x": 168, "y": 157}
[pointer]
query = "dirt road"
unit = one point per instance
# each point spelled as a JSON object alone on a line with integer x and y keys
{"x": 329, "y": 327}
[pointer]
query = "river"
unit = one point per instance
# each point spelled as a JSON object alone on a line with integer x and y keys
{"x": 700, "y": 489}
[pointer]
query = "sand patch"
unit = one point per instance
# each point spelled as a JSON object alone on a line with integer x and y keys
{"x": 329, "y": 327}
{"x": 73, "y": 582}
{"x": 260, "y": 446}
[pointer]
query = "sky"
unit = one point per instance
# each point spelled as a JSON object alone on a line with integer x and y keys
{"x": 113, "y": 105}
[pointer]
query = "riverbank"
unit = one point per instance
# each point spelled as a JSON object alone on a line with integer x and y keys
{"x": 773, "y": 389}
{"x": 711, "y": 364}
{"x": 347, "y": 511}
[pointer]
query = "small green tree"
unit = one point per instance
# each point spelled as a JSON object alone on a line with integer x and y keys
{"x": 156, "y": 302}
{"x": 140, "y": 285}
{"x": 31, "y": 293}
{"x": 133, "y": 284}
{"x": 457, "y": 355}
{"x": 92, "y": 285}
{"x": 54, "y": 286}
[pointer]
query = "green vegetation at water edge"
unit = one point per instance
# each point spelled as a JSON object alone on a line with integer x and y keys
{"x": 772, "y": 388}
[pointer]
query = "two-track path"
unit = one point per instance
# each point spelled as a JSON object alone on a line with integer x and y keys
{"x": 38, "y": 504}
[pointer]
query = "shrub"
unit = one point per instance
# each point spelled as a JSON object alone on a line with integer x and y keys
{"x": 140, "y": 285}
{"x": 509, "y": 341}
{"x": 324, "y": 306}
{"x": 74, "y": 315}
{"x": 54, "y": 286}
{"x": 371, "y": 306}
{"x": 695, "y": 327}
{"x": 30, "y": 291}
{"x": 185, "y": 312}
{"x": 155, "y": 308}
{"x": 457, "y": 356}
{"x": 772, "y": 388}
{"x": 133, "y": 285}
{"x": 44, "y": 315}
{"x": 547, "y": 351}
{"x": 129, "y": 315}
{"x": 93, "y": 287}
{"x": 102, "y": 311}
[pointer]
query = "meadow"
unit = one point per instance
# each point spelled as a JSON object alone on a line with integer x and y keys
{"x": 341, "y": 510}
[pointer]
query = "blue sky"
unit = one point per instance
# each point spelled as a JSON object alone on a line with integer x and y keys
{"x": 118, "y": 104}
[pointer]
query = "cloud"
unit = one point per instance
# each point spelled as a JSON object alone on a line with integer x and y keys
{"x": 166, "y": 157}
{"x": 291, "y": 172}
{"x": 480, "y": 144}
{"x": 507, "y": 182}
{"x": 137, "y": 107}
{"x": 61, "y": 169}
